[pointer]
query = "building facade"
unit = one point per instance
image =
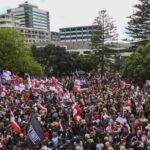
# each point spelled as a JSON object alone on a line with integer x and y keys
{"x": 32, "y": 35}
{"x": 120, "y": 48}
{"x": 9, "y": 20}
{"x": 31, "y": 16}
{"x": 75, "y": 34}
{"x": 55, "y": 36}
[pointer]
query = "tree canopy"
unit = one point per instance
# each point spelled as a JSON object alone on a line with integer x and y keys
{"x": 137, "y": 66}
{"x": 139, "y": 23}
{"x": 57, "y": 61}
{"x": 15, "y": 54}
{"x": 54, "y": 59}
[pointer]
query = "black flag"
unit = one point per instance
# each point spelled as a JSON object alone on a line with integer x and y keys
{"x": 35, "y": 132}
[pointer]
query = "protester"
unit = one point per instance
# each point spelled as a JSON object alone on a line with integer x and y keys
{"x": 78, "y": 112}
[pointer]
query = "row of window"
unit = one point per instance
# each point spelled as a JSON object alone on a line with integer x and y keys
{"x": 78, "y": 40}
{"x": 40, "y": 18}
{"x": 38, "y": 12}
{"x": 76, "y": 29}
{"x": 38, "y": 22}
{"x": 37, "y": 41}
{"x": 5, "y": 22}
{"x": 43, "y": 17}
{"x": 35, "y": 37}
{"x": 75, "y": 38}
{"x": 40, "y": 27}
{"x": 34, "y": 32}
{"x": 44, "y": 24}
{"x": 76, "y": 33}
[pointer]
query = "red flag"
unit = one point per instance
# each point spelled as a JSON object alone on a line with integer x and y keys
{"x": 13, "y": 123}
{"x": 58, "y": 85}
{"x": 124, "y": 84}
{"x": 3, "y": 91}
{"x": 36, "y": 82}
{"x": 36, "y": 89}
{"x": 76, "y": 111}
{"x": 17, "y": 79}
{"x": 80, "y": 87}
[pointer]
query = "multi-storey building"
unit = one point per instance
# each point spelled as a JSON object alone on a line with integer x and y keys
{"x": 75, "y": 34}
{"x": 32, "y": 35}
{"x": 9, "y": 20}
{"x": 30, "y": 21}
{"x": 31, "y": 16}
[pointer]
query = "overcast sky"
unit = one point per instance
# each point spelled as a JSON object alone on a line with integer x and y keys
{"x": 66, "y": 13}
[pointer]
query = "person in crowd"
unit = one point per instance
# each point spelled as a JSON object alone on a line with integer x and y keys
{"x": 103, "y": 115}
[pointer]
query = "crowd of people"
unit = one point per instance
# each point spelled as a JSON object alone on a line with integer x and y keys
{"x": 113, "y": 115}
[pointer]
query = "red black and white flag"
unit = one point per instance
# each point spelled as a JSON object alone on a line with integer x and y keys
{"x": 58, "y": 85}
{"x": 80, "y": 86}
{"x": 76, "y": 112}
{"x": 14, "y": 124}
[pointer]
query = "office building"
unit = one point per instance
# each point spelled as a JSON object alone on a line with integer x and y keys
{"x": 31, "y": 16}
{"x": 75, "y": 34}
{"x": 9, "y": 20}
{"x": 32, "y": 35}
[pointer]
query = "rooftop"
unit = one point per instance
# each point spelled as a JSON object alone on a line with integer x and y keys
{"x": 27, "y": 4}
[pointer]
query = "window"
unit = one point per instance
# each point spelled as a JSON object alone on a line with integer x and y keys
{"x": 86, "y": 52}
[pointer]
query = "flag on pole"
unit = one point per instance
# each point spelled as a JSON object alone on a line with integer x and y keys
{"x": 29, "y": 82}
{"x": 80, "y": 86}
{"x": 76, "y": 111}
{"x": 17, "y": 79}
{"x": 3, "y": 91}
{"x": 19, "y": 87}
{"x": 13, "y": 123}
{"x": 6, "y": 75}
{"x": 58, "y": 85}
{"x": 124, "y": 84}
{"x": 35, "y": 132}
{"x": 53, "y": 88}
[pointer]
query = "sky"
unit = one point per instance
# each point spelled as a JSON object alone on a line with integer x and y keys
{"x": 68, "y": 13}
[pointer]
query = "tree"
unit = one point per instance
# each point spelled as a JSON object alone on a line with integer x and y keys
{"x": 137, "y": 66}
{"x": 103, "y": 33}
{"x": 87, "y": 63}
{"x": 15, "y": 55}
{"x": 139, "y": 23}
{"x": 54, "y": 59}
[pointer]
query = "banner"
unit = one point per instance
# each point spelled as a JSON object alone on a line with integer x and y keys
{"x": 35, "y": 132}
